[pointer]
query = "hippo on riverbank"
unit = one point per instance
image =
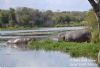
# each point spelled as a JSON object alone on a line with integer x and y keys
{"x": 75, "y": 36}
{"x": 78, "y": 36}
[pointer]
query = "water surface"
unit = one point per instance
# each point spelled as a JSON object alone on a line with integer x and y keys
{"x": 15, "y": 56}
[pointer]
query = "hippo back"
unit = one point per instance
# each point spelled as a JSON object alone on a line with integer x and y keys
{"x": 78, "y": 36}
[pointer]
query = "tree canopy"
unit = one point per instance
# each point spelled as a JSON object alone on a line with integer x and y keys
{"x": 28, "y": 17}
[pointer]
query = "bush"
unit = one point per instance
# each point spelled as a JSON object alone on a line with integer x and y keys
{"x": 95, "y": 35}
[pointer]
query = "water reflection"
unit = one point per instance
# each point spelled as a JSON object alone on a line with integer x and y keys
{"x": 18, "y": 55}
{"x": 18, "y": 46}
{"x": 12, "y": 58}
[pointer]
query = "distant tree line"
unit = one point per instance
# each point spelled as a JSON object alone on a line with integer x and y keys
{"x": 28, "y": 17}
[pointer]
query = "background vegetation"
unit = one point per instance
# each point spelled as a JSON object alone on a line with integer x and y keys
{"x": 27, "y": 17}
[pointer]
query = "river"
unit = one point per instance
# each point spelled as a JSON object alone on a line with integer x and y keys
{"x": 20, "y": 56}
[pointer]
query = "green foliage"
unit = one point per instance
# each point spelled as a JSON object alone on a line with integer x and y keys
{"x": 3, "y": 18}
{"x": 94, "y": 38}
{"x": 75, "y": 49}
{"x": 27, "y": 17}
{"x": 91, "y": 19}
{"x": 92, "y": 22}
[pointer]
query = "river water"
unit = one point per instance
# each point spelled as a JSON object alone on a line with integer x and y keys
{"x": 20, "y": 56}
{"x": 42, "y": 30}
{"x": 15, "y": 56}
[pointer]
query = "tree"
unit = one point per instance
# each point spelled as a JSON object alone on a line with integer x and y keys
{"x": 4, "y": 18}
{"x": 28, "y": 17}
{"x": 96, "y": 7}
{"x": 12, "y": 17}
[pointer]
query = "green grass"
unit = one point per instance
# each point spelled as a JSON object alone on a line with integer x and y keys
{"x": 75, "y": 49}
{"x": 14, "y": 28}
{"x": 71, "y": 24}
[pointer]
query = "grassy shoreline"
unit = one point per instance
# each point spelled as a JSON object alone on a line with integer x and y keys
{"x": 89, "y": 50}
{"x": 15, "y": 28}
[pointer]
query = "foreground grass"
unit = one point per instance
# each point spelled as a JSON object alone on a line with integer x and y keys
{"x": 75, "y": 49}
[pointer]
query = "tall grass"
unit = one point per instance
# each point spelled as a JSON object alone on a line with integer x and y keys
{"x": 75, "y": 49}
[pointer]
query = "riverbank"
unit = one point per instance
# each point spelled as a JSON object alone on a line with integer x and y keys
{"x": 16, "y": 28}
{"x": 85, "y": 49}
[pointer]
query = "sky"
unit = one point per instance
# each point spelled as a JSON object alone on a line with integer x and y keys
{"x": 54, "y": 5}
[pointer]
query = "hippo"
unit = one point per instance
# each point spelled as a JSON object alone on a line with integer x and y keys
{"x": 61, "y": 36}
{"x": 78, "y": 36}
{"x": 19, "y": 40}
